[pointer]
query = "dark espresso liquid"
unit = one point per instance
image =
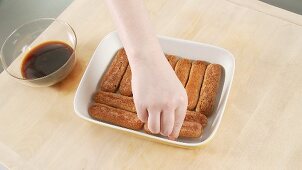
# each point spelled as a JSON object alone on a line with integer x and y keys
{"x": 45, "y": 59}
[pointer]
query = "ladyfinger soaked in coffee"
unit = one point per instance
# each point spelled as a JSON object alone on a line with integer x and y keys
{"x": 194, "y": 83}
{"x": 113, "y": 76}
{"x": 188, "y": 130}
{"x": 172, "y": 60}
{"x": 115, "y": 116}
{"x": 191, "y": 130}
{"x": 209, "y": 89}
{"x": 192, "y": 116}
{"x": 182, "y": 70}
{"x": 115, "y": 100}
{"x": 126, "y": 103}
{"x": 125, "y": 85}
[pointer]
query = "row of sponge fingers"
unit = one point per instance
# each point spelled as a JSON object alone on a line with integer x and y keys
{"x": 201, "y": 80}
{"x": 120, "y": 110}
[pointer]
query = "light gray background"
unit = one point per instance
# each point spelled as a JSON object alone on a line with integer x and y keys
{"x": 290, "y": 5}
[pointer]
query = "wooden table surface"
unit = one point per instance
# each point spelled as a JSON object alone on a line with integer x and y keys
{"x": 262, "y": 125}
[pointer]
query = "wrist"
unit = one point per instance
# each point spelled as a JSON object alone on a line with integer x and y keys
{"x": 144, "y": 54}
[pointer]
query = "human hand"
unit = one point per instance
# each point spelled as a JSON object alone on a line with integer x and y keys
{"x": 159, "y": 97}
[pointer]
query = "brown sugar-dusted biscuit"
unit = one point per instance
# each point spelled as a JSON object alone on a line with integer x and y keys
{"x": 191, "y": 130}
{"x": 188, "y": 130}
{"x": 209, "y": 89}
{"x": 172, "y": 60}
{"x": 194, "y": 83}
{"x": 126, "y": 103}
{"x": 192, "y": 116}
{"x": 112, "y": 77}
{"x": 203, "y": 120}
{"x": 115, "y": 100}
{"x": 125, "y": 86}
{"x": 115, "y": 116}
{"x": 182, "y": 70}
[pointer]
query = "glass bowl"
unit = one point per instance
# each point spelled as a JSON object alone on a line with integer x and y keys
{"x": 26, "y": 40}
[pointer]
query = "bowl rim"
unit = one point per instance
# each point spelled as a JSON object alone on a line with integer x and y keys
{"x": 5, "y": 66}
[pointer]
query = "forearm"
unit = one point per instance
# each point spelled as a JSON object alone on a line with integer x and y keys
{"x": 134, "y": 28}
{"x": 159, "y": 97}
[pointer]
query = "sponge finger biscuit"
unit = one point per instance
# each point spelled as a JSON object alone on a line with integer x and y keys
{"x": 209, "y": 89}
{"x": 115, "y": 116}
{"x": 125, "y": 86}
{"x": 188, "y": 130}
{"x": 115, "y": 100}
{"x": 196, "y": 117}
{"x": 112, "y": 77}
{"x": 194, "y": 83}
{"x": 172, "y": 60}
{"x": 182, "y": 70}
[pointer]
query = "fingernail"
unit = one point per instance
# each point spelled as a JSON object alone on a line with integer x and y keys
{"x": 164, "y": 133}
{"x": 154, "y": 131}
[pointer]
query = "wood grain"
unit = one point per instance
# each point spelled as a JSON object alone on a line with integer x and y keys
{"x": 261, "y": 127}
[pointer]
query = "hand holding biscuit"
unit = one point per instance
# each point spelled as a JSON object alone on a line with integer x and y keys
{"x": 160, "y": 99}
{"x": 159, "y": 96}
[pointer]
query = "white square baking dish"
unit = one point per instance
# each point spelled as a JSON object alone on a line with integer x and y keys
{"x": 183, "y": 48}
